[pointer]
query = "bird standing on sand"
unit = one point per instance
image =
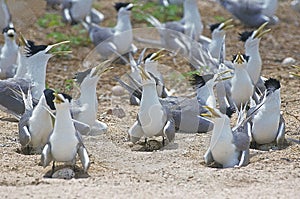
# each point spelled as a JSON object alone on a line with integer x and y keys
{"x": 153, "y": 118}
{"x": 9, "y": 53}
{"x": 64, "y": 141}
{"x": 241, "y": 84}
{"x": 74, "y": 11}
{"x": 117, "y": 40}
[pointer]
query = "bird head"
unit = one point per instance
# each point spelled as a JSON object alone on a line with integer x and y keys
{"x": 221, "y": 27}
{"x": 60, "y": 98}
{"x": 240, "y": 59}
{"x": 122, "y": 7}
{"x": 272, "y": 86}
{"x": 92, "y": 74}
{"x": 254, "y": 36}
{"x": 50, "y": 97}
{"x": 152, "y": 57}
{"x": 146, "y": 77}
{"x": 32, "y": 49}
{"x": 9, "y": 31}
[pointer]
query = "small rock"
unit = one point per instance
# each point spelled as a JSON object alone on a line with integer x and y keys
{"x": 64, "y": 173}
{"x": 117, "y": 111}
{"x": 288, "y": 61}
{"x": 117, "y": 90}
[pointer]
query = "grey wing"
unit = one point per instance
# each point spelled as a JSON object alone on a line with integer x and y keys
{"x": 84, "y": 158}
{"x": 9, "y": 102}
{"x": 83, "y": 128}
{"x": 83, "y": 154}
{"x": 169, "y": 128}
{"x": 176, "y": 26}
{"x": 99, "y": 34}
{"x": 281, "y": 131}
{"x": 46, "y": 157}
{"x": 24, "y": 134}
{"x": 208, "y": 158}
{"x": 241, "y": 138}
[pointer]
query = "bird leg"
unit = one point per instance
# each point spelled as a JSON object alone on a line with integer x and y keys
{"x": 53, "y": 167}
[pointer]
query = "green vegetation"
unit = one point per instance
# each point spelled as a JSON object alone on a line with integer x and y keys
{"x": 50, "y": 20}
{"x": 54, "y": 23}
{"x": 170, "y": 13}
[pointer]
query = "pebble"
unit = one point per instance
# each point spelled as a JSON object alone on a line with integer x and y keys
{"x": 288, "y": 61}
{"x": 64, "y": 173}
{"x": 117, "y": 90}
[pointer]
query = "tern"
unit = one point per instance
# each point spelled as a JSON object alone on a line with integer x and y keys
{"x": 85, "y": 108}
{"x": 242, "y": 88}
{"x": 153, "y": 118}
{"x": 74, "y": 11}
{"x": 117, "y": 40}
{"x": 252, "y": 13}
{"x": 267, "y": 124}
{"x": 252, "y": 40}
{"x": 33, "y": 80}
{"x": 217, "y": 37}
{"x": 35, "y": 125}
{"x": 65, "y": 141}
{"x": 9, "y": 53}
{"x": 228, "y": 146}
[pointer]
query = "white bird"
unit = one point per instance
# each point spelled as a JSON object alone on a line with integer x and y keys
{"x": 9, "y": 53}
{"x": 33, "y": 80}
{"x": 267, "y": 124}
{"x": 252, "y": 40}
{"x": 75, "y": 11}
{"x": 241, "y": 84}
{"x": 252, "y": 12}
{"x": 228, "y": 147}
{"x": 190, "y": 25}
{"x": 35, "y": 125}
{"x": 117, "y": 40}
{"x": 153, "y": 118}
{"x": 85, "y": 108}
{"x": 64, "y": 142}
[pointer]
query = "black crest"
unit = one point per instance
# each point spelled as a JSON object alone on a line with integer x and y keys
{"x": 272, "y": 84}
{"x": 198, "y": 81}
{"x": 7, "y": 28}
{"x": 50, "y": 97}
{"x": 245, "y": 35}
{"x": 214, "y": 26}
{"x": 119, "y": 5}
{"x": 32, "y": 49}
{"x": 246, "y": 57}
{"x": 148, "y": 56}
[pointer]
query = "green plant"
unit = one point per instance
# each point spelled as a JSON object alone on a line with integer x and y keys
{"x": 170, "y": 13}
{"x": 50, "y": 20}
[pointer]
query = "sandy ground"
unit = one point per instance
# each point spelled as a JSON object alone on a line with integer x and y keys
{"x": 121, "y": 171}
